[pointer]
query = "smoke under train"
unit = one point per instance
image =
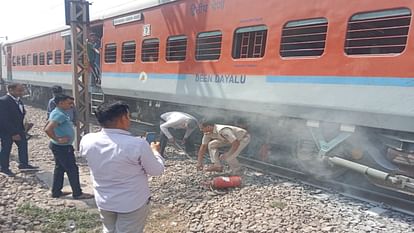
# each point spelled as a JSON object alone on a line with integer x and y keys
{"x": 324, "y": 87}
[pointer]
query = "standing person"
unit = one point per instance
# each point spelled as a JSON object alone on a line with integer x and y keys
{"x": 177, "y": 121}
{"x": 57, "y": 90}
{"x": 60, "y": 130}
{"x": 217, "y": 136}
{"x": 94, "y": 46}
{"x": 12, "y": 113}
{"x": 120, "y": 165}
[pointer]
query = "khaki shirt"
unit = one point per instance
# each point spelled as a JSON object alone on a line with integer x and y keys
{"x": 224, "y": 133}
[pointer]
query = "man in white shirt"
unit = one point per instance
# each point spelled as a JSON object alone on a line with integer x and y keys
{"x": 120, "y": 165}
{"x": 217, "y": 136}
{"x": 178, "y": 121}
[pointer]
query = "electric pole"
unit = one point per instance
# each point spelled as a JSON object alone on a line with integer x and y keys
{"x": 77, "y": 16}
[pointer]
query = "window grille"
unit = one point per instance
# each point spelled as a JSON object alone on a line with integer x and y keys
{"x": 35, "y": 61}
{"x": 29, "y": 60}
{"x": 150, "y": 50}
{"x": 249, "y": 42}
{"x": 304, "y": 38}
{"x": 58, "y": 57}
{"x": 176, "y": 48}
{"x": 49, "y": 58}
{"x": 110, "y": 53}
{"x": 67, "y": 56}
{"x": 41, "y": 58}
{"x": 23, "y": 60}
{"x": 18, "y": 60}
{"x": 378, "y": 32}
{"x": 208, "y": 46}
{"x": 128, "y": 51}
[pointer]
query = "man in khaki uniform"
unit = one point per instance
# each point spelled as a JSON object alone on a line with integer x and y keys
{"x": 217, "y": 136}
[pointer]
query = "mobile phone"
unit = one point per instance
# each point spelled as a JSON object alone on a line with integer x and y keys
{"x": 150, "y": 137}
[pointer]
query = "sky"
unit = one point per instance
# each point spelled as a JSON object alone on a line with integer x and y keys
{"x": 23, "y": 18}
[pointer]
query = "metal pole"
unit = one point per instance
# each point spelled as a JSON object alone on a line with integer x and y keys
{"x": 80, "y": 76}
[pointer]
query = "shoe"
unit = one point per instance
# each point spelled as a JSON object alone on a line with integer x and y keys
{"x": 28, "y": 167}
{"x": 7, "y": 173}
{"x": 61, "y": 194}
{"x": 214, "y": 168}
{"x": 83, "y": 196}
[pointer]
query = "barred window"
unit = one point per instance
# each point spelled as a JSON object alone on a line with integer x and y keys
{"x": 49, "y": 58}
{"x": 58, "y": 57}
{"x": 110, "y": 53}
{"x": 378, "y": 32}
{"x": 29, "y": 60}
{"x": 67, "y": 56}
{"x": 35, "y": 62}
{"x": 128, "y": 51}
{"x": 18, "y": 60}
{"x": 23, "y": 60}
{"x": 41, "y": 58}
{"x": 150, "y": 50}
{"x": 249, "y": 42}
{"x": 176, "y": 48}
{"x": 208, "y": 45}
{"x": 303, "y": 38}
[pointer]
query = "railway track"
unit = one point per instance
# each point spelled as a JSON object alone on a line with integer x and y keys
{"x": 371, "y": 194}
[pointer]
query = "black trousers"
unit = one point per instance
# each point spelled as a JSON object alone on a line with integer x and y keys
{"x": 6, "y": 147}
{"x": 188, "y": 145}
{"x": 65, "y": 162}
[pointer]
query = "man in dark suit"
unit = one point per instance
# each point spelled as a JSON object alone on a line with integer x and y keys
{"x": 12, "y": 129}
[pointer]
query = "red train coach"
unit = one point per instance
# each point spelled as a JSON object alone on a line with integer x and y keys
{"x": 331, "y": 81}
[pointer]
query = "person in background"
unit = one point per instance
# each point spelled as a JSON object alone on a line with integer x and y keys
{"x": 120, "y": 165}
{"x": 60, "y": 130}
{"x": 217, "y": 136}
{"x": 56, "y": 90}
{"x": 94, "y": 55}
{"x": 12, "y": 113}
{"x": 178, "y": 121}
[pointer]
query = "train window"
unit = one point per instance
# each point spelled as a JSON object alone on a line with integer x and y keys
{"x": 35, "y": 59}
{"x": 176, "y": 48}
{"x": 378, "y": 32}
{"x": 249, "y": 42}
{"x": 305, "y": 37}
{"x": 58, "y": 57}
{"x": 49, "y": 58}
{"x": 18, "y": 60}
{"x": 41, "y": 58}
{"x": 208, "y": 45}
{"x": 110, "y": 53}
{"x": 23, "y": 60}
{"x": 150, "y": 50}
{"x": 67, "y": 56}
{"x": 128, "y": 51}
{"x": 29, "y": 59}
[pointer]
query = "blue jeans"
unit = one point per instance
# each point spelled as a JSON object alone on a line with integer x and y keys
{"x": 65, "y": 162}
{"x": 6, "y": 146}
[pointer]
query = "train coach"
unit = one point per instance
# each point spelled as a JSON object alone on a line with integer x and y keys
{"x": 325, "y": 87}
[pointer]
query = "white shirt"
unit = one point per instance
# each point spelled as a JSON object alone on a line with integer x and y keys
{"x": 176, "y": 120}
{"x": 120, "y": 164}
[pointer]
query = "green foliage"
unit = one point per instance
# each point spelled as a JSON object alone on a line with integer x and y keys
{"x": 68, "y": 219}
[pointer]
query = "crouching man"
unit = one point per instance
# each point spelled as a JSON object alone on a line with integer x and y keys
{"x": 120, "y": 165}
{"x": 218, "y": 136}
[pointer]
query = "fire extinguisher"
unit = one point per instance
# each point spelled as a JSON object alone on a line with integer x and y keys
{"x": 222, "y": 182}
